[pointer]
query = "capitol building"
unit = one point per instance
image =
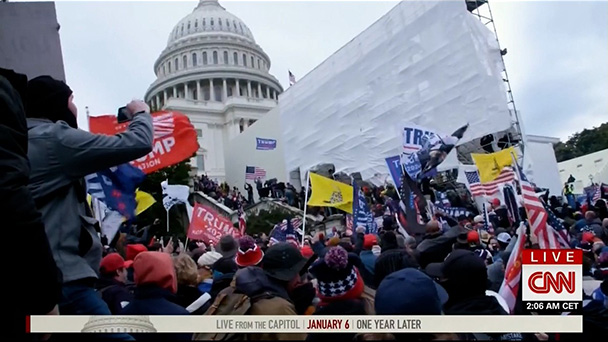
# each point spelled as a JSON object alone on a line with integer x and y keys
{"x": 213, "y": 71}
{"x": 119, "y": 324}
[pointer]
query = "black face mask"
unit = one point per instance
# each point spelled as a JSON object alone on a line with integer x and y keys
{"x": 47, "y": 98}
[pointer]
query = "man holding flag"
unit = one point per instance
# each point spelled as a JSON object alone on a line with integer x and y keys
{"x": 61, "y": 155}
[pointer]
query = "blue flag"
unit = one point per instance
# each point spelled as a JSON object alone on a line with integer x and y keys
{"x": 116, "y": 188}
{"x": 454, "y": 212}
{"x": 362, "y": 215}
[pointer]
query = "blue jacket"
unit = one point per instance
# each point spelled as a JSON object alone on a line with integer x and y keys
{"x": 369, "y": 260}
{"x": 152, "y": 300}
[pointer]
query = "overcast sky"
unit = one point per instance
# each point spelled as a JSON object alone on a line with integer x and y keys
{"x": 557, "y": 51}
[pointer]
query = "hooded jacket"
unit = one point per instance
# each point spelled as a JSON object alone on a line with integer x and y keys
{"x": 60, "y": 156}
{"x": 18, "y": 209}
{"x": 252, "y": 281}
{"x": 156, "y": 285}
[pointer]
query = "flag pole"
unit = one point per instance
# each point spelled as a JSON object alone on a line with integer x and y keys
{"x": 521, "y": 191}
{"x": 305, "y": 206}
{"x": 167, "y": 219}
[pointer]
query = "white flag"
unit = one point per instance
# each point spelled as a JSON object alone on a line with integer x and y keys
{"x": 174, "y": 194}
{"x": 111, "y": 223}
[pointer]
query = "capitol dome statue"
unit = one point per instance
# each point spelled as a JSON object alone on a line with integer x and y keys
{"x": 119, "y": 324}
{"x": 213, "y": 71}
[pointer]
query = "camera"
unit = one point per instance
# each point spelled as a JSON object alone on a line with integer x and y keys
{"x": 124, "y": 115}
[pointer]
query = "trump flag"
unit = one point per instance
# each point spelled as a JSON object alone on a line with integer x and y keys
{"x": 175, "y": 139}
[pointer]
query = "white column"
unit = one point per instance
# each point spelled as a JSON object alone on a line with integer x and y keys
{"x": 156, "y": 102}
{"x": 186, "y": 91}
{"x": 260, "y": 90}
{"x": 268, "y": 92}
{"x": 199, "y": 95}
{"x": 225, "y": 90}
{"x": 211, "y": 90}
{"x": 238, "y": 88}
{"x": 248, "y": 88}
{"x": 164, "y": 97}
{"x": 174, "y": 91}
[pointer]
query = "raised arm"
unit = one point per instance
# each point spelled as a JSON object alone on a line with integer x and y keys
{"x": 83, "y": 153}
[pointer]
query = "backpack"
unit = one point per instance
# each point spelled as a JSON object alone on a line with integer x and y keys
{"x": 230, "y": 302}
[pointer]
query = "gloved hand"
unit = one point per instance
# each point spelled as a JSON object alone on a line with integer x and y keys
{"x": 302, "y": 297}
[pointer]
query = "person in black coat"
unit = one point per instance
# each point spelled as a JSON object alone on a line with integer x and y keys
{"x": 19, "y": 209}
{"x": 111, "y": 284}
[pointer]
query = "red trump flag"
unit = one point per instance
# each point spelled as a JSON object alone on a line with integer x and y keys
{"x": 209, "y": 226}
{"x": 175, "y": 139}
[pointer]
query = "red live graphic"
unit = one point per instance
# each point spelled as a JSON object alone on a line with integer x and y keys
{"x": 27, "y": 324}
{"x": 552, "y": 278}
{"x": 552, "y": 256}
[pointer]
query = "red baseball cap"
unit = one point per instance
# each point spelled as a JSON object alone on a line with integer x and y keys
{"x": 473, "y": 237}
{"x": 307, "y": 251}
{"x": 588, "y": 237}
{"x": 113, "y": 262}
{"x": 369, "y": 240}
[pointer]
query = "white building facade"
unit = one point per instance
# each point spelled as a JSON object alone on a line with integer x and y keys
{"x": 587, "y": 169}
{"x": 213, "y": 71}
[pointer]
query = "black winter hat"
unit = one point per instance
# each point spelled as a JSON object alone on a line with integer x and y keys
{"x": 336, "y": 273}
{"x": 388, "y": 241}
{"x": 47, "y": 98}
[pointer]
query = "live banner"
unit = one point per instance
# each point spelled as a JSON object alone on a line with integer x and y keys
{"x": 175, "y": 139}
{"x": 209, "y": 226}
{"x": 252, "y": 324}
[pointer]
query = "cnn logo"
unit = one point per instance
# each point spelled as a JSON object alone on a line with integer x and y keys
{"x": 544, "y": 282}
{"x": 552, "y": 275}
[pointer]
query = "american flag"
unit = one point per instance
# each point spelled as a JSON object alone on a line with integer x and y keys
{"x": 254, "y": 172}
{"x": 488, "y": 189}
{"x": 292, "y": 78}
{"x": 349, "y": 221}
{"x": 510, "y": 285}
{"x": 287, "y": 232}
{"x": 242, "y": 221}
{"x": 556, "y": 226}
{"x": 597, "y": 194}
{"x": 537, "y": 215}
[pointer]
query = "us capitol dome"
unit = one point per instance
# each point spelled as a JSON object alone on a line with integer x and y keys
{"x": 213, "y": 71}
{"x": 119, "y": 324}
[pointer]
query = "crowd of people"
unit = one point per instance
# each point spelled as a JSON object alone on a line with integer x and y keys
{"x": 453, "y": 270}
{"x": 456, "y": 268}
{"x": 234, "y": 199}
{"x": 222, "y": 193}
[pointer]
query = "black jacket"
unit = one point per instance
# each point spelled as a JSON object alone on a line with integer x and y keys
{"x": 187, "y": 295}
{"x": 116, "y": 294}
{"x": 152, "y": 300}
{"x": 21, "y": 219}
